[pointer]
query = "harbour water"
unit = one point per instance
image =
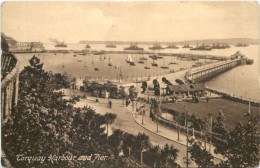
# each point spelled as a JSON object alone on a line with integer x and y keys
{"x": 241, "y": 81}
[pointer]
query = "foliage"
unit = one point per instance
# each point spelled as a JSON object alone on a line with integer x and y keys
{"x": 156, "y": 87}
{"x": 44, "y": 124}
{"x": 201, "y": 157}
{"x": 4, "y": 45}
{"x": 122, "y": 92}
{"x": 168, "y": 156}
{"x": 163, "y": 79}
{"x": 240, "y": 147}
{"x": 180, "y": 82}
{"x": 218, "y": 126}
{"x": 109, "y": 118}
{"x": 144, "y": 86}
{"x": 132, "y": 92}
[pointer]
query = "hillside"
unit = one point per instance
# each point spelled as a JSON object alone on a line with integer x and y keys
{"x": 231, "y": 41}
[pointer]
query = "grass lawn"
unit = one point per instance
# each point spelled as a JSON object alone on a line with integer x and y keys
{"x": 233, "y": 111}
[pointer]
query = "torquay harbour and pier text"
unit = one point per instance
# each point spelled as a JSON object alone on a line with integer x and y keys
{"x": 133, "y": 84}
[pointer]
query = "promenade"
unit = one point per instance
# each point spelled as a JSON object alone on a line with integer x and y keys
{"x": 127, "y": 121}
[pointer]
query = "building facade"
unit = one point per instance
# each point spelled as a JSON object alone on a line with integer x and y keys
{"x": 9, "y": 84}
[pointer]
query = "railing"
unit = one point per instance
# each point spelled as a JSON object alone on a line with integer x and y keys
{"x": 211, "y": 66}
{"x": 173, "y": 125}
{"x": 236, "y": 98}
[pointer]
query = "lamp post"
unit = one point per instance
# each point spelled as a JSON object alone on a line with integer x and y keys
{"x": 249, "y": 108}
{"x": 141, "y": 153}
{"x": 210, "y": 129}
{"x": 157, "y": 126}
{"x": 143, "y": 117}
{"x": 187, "y": 157}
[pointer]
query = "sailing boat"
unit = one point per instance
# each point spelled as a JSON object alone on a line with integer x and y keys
{"x": 109, "y": 64}
{"x": 164, "y": 67}
{"x": 146, "y": 67}
{"x": 187, "y": 45}
{"x": 130, "y": 60}
{"x": 154, "y": 63}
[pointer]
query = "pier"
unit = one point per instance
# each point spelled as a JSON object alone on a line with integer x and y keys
{"x": 203, "y": 73}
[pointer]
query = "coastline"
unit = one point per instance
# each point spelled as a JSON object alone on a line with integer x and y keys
{"x": 234, "y": 98}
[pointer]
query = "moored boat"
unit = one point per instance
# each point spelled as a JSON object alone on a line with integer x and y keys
{"x": 110, "y": 46}
{"x": 164, "y": 67}
{"x": 156, "y": 46}
{"x": 172, "y": 46}
{"x": 241, "y": 45}
{"x": 146, "y": 67}
{"x": 133, "y": 46}
{"x": 202, "y": 47}
{"x": 62, "y": 44}
{"x": 187, "y": 45}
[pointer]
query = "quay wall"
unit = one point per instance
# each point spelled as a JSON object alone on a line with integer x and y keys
{"x": 182, "y": 56}
{"x": 230, "y": 97}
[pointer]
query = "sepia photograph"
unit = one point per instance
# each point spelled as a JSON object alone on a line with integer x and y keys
{"x": 138, "y": 84}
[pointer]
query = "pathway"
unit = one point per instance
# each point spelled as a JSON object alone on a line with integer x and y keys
{"x": 126, "y": 122}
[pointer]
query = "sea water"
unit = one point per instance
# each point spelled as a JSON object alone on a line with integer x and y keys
{"x": 241, "y": 81}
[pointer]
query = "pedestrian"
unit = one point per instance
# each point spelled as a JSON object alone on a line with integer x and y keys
{"x": 110, "y": 103}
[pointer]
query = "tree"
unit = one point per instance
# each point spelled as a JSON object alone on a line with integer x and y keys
{"x": 109, "y": 119}
{"x": 156, "y": 87}
{"x": 122, "y": 92}
{"x": 163, "y": 79}
{"x": 128, "y": 143}
{"x": 168, "y": 156}
{"x": 4, "y": 45}
{"x": 44, "y": 124}
{"x": 144, "y": 86}
{"x": 219, "y": 127}
{"x": 116, "y": 141}
{"x": 132, "y": 92}
{"x": 180, "y": 82}
{"x": 240, "y": 147}
{"x": 201, "y": 157}
{"x": 152, "y": 156}
{"x": 155, "y": 81}
{"x": 141, "y": 144}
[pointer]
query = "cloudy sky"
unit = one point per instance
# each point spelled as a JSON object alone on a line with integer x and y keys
{"x": 129, "y": 21}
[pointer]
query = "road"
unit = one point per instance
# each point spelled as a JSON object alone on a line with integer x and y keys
{"x": 125, "y": 122}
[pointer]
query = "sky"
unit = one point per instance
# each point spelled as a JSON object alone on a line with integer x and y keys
{"x": 129, "y": 21}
